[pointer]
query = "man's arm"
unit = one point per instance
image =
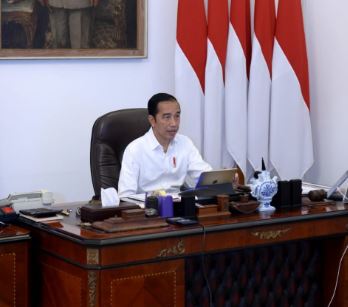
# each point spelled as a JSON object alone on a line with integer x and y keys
{"x": 128, "y": 182}
{"x": 196, "y": 164}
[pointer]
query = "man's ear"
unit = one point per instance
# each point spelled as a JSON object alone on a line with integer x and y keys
{"x": 152, "y": 120}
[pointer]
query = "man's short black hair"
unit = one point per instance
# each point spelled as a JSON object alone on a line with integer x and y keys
{"x": 155, "y": 100}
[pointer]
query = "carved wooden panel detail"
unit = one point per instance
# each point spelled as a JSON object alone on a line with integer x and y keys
{"x": 92, "y": 288}
{"x": 92, "y": 256}
{"x": 270, "y": 234}
{"x": 175, "y": 250}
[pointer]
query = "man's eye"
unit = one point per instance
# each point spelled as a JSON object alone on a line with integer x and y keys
{"x": 166, "y": 117}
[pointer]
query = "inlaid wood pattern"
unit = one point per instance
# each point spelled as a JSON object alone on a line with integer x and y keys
{"x": 60, "y": 288}
{"x": 8, "y": 279}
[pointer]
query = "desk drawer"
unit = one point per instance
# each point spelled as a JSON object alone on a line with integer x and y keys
{"x": 275, "y": 233}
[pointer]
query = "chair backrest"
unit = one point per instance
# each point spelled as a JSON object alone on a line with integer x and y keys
{"x": 111, "y": 133}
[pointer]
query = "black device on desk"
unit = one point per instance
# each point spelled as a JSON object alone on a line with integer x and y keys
{"x": 41, "y": 212}
{"x": 181, "y": 221}
{"x": 7, "y": 214}
{"x": 186, "y": 207}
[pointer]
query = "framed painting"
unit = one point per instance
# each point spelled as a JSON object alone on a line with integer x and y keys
{"x": 73, "y": 29}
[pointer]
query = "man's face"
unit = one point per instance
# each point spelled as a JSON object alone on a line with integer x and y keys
{"x": 166, "y": 122}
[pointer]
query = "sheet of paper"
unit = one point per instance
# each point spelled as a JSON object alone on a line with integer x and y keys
{"x": 139, "y": 197}
{"x": 140, "y": 203}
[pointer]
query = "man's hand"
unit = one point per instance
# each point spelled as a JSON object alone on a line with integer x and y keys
{"x": 94, "y": 2}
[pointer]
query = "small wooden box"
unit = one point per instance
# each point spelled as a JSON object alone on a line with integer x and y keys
{"x": 133, "y": 214}
{"x": 210, "y": 211}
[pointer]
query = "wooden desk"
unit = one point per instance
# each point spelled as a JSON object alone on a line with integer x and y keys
{"x": 14, "y": 243}
{"x": 163, "y": 267}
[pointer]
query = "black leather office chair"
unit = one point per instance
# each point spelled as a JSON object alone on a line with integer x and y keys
{"x": 111, "y": 133}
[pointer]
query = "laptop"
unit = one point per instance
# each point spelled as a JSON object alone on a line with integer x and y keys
{"x": 212, "y": 183}
{"x": 217, "y": 177}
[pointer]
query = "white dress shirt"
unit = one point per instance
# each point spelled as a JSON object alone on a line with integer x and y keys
{"x": 147, "y": 168}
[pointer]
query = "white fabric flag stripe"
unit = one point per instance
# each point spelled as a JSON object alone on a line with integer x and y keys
{"x": 259, "y": 94}
{"x": 190, "y": 59}
{"x": 189, "y": 93}
{"x": 258, "y": 108}
{"x": 214, "y": 82}
{"x": 213, "y": 109}
{"x": 291, "y": 150}
{"x": 236, "y": 82}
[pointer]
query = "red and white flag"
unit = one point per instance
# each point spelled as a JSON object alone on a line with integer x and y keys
{"x": 259, "y": 97}
{"x": 237, "y": 72}
{"x": 291, "y": 149}
{"x": 214, "y": 81}
{"x": 190, "y": 60}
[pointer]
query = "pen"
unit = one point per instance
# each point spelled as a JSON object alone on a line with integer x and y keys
{"x": 145, "y": 200}
{"x": 174, "y": 162}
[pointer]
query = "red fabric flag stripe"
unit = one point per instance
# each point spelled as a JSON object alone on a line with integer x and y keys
{"x": 291, "y": 37}
{"x": 240, "y": 20}
{"x": 218, "y": 28}
{"x": 264, "y": 27}
{"x": 192, "y": 35}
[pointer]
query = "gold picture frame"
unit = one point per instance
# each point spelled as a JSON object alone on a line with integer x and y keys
{"x": 30, "y": 30}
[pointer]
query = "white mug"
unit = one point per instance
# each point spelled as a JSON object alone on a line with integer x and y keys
{"x": 47, "y": 198}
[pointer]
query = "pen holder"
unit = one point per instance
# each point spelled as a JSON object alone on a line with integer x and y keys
{"x": 165, "y": 206}
{"x": 151, "y": 202}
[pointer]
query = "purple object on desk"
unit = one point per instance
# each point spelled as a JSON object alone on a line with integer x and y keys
{"x": 165, "y": 206}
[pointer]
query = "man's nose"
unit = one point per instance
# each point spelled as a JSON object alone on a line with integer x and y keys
{"x": 173, "y": 121}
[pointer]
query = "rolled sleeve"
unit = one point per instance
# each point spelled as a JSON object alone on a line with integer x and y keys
{"x": 196, "y": 165}
{"x": 128, "y": 182}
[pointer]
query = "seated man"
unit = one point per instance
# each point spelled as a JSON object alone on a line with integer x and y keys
{"x": 161, "y": 159}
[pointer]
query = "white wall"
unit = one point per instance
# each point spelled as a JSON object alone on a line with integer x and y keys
{"x": 47, "y": 107}
{"x": 326, "y": 24}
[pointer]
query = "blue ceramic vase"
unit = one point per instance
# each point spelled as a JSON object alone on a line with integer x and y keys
{"x": 263, "y": 189}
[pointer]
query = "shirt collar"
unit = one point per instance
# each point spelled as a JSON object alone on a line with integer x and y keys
{"x": 153, "y": 142}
